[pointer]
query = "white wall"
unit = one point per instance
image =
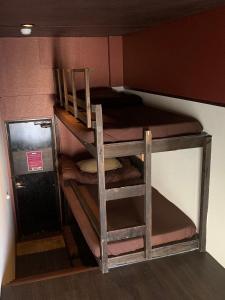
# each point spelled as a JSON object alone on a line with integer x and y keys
{"x": 7, "y": 237}
{"x": 177, "y": 173}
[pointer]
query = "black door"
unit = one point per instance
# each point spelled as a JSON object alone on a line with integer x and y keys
{"x": 34, "y": 176}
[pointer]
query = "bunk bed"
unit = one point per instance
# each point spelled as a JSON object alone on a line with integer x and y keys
{"x": 118, "y": 125}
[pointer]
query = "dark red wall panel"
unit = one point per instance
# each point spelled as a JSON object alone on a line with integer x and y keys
{"x": 116, "y": 60}
{"x": 26, "y": 72}
{"x": 182, "y": 58}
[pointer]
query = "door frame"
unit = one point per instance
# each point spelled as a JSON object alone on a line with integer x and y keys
{"x": 12, "y": 172}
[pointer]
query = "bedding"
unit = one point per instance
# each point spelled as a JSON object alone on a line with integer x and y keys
{"x": 90, "y": 165}
{"x": 128, "y": 123}
{"x": 169, "y": 223}
{"x": 108, "y": 97}
{"x": 69, "y": 170}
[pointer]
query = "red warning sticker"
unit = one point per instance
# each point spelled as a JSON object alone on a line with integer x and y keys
{"x": 34, "y": 160}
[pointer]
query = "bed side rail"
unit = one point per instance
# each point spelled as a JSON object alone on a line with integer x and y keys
{"x": 81, "y": 109}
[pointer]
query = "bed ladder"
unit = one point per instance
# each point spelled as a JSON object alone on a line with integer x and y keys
{"x": 105, "y": 195}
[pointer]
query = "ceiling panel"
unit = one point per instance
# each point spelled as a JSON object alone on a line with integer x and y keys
{"x": 93, "y": 17}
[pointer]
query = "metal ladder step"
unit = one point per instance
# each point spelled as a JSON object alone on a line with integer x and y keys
{"x": 126, "y": 233}
{"x": 125, "y": 192}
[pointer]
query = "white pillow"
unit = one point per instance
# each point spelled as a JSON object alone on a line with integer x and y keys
{"x": 90, "y": 165}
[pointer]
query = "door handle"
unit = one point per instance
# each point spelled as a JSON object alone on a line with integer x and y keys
{"x": 43, "y": 124}
{"x": 20, "y": 185}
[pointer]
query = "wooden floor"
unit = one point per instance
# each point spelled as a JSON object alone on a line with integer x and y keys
{"x": 188, "y": 276}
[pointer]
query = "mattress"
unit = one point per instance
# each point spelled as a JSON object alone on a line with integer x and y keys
{"x": 69, "y": 170}
{"x": 109, "y": 97}
{"x": 128, "y": 122}
{"x": 169, "y": 223}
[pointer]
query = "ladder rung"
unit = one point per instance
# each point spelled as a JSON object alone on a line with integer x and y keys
{"x": 125, "y": 192}
{"x": 125, "y": 233}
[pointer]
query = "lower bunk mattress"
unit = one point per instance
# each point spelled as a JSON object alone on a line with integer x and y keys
{"x": 169, "y": 223}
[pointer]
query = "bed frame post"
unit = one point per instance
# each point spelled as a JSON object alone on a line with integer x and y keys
{"x": 206, "y": 159}
{"x": 72, "y": 75}
{"x": 148, "y": 195}
{"x": 65, "y": 89}
{"x": 59, "y": 86}
{"x": 101, "y": 188}
{"x": 87, "y": 96}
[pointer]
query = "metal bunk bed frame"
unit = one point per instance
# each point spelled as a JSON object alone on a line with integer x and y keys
{"x": 91, "y": 115}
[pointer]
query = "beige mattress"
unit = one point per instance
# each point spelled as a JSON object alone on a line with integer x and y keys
{"x": 169, "y": 223}
{"x": 127, "y": 124}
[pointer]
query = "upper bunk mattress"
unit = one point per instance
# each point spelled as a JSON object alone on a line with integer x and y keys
{"x": 169, "y": 223}
{"x": 109, "y": 97}
{"x": 127, "y": 123}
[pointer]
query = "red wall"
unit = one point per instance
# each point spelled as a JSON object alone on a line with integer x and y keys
{"x": 26, "y": 72}
{"x": 182, "y": 58}
{"x": 116, "y": 60}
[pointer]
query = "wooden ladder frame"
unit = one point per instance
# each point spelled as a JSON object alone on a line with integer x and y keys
{"x": 112, "y": 194}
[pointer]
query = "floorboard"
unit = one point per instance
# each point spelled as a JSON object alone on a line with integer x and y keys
{"x": 187, "y": 276}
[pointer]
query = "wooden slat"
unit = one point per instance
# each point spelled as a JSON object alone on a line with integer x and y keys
{"x": 79, "y": 103}
{"x": 101, "y": 189}
{"x": 79, "y": 70}
{"x": 65, "y": 89}
{"x": 156, "y": 253}
{"x": 87, "y": 97}
{"x": 125, "y": 192}
{"x": 178, "y": 143}
{"x": 125, "y": 233}
{"x": 148, "y": 195}
{"x": 123, "y": 149}
{"x": 74, "y": 94}
{"x": 119, "y": 149}
{"x": 175, "y": 248}
{"x": 204, "y": 197}
{"x": 126, "y": 259}
{"x": 69, "y": 121}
